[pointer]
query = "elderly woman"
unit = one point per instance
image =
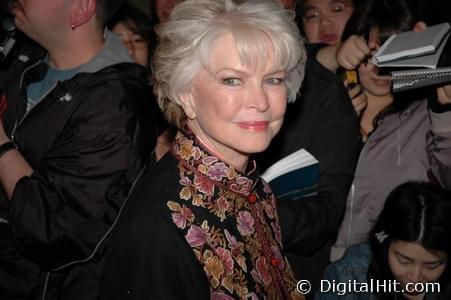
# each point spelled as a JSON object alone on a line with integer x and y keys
{"x": 201, "y": 224}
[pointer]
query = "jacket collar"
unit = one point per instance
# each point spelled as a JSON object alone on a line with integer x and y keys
{"x": 113, "y": 52}
{"x": 194, "y": 156}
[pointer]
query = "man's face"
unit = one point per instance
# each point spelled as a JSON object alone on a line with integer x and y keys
{"x": 324, "y": 20}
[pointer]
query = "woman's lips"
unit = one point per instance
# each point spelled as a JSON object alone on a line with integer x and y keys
{"x": 254, "y": 125}
{"x": 329, "y": 38}
{"x": 382, "y": 81}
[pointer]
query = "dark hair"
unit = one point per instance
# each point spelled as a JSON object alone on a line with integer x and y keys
{"x": 136, "y": 21}
{"x": 389, "y": 16}
{"x": 153, "y": 12}
{"x": 413, "y": 212}
{"x": 106, "y": 9}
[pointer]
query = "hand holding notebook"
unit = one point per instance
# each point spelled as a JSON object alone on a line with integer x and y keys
{"x": 419, "y": 58}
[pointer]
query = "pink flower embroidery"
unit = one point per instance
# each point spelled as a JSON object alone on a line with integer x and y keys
{"x": 223, "y": 204}
{"x": 185, "y": 181}
{"x": 217, "y": 171}
{"x": 180, "y": 219}
{"x": 197, "y": 153}
{"x": 204, "y": 185}
{"x": 208, "y": 160}
{"x": 242, "y": 185}
{"x": 220, "y": 296}
{"x": 196, "y": 236}
{"x": 245, "y": 223}
{"x": 262, "y": 270}
{"x": 226, "y": 259}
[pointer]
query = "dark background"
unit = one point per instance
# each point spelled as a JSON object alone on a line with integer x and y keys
{"x": 432, "y": 11}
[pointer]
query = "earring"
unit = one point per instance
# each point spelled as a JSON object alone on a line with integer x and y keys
{"x": 73, "y": 26}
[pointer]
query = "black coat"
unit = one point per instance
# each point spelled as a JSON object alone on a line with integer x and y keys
{"x": 86, "y": 141}
{"x": 323, "y": 121}
{"x": 156, "y": 252}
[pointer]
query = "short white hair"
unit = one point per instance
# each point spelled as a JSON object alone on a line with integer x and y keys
{"x": 185, "y": 42}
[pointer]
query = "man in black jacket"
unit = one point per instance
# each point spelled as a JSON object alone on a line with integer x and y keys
{"x": 76, "y": 133}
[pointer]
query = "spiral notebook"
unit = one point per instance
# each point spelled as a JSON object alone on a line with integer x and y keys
{"x": 414, "y": 49}
{"x": 411, "y": 79}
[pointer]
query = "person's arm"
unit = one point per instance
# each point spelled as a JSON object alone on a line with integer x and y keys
{"x": 348, "y": 54}
{"x": 439, "y": 141}
{"x": 327, "y": 57}
{"x": 13, "y": 165}
{"x": 61, "y": 211}
{"x": 353, "y": 52}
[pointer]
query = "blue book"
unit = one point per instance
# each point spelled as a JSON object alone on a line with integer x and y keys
{"x": 295, "y": 176}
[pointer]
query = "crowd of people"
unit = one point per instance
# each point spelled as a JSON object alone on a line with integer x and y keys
{"x": 132, "y": 144}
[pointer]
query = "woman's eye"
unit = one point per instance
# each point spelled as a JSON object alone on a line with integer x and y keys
{"x": 231, "y": 81}
{"x": 311, "y": 15}
{"x": 403, "y": 261}
{"x": 275, "y": 81}
{"x": 338, "y": 8}
{"x": 139, "y": 40}
{"x": 433, "y": 266}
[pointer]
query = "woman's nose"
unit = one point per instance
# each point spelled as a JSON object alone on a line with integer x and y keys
{"x": 258, "y": 98}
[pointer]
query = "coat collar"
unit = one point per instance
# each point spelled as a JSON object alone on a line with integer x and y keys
{"x": 190, "y": 151}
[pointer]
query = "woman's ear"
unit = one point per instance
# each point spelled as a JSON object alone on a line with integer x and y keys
{"x": 188, "y": 104}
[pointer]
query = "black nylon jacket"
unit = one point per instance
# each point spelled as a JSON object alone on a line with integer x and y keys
{"x": 87, "y": 141}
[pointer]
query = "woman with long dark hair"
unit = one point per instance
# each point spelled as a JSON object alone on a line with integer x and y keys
{"x": 408, "y": 250}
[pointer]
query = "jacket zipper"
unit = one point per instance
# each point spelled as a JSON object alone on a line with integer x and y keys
{"x": 17, "y": 123}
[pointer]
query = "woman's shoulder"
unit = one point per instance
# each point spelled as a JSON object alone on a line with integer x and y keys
{"x": 341, "y": 275}
{"x": 353, "y": 265}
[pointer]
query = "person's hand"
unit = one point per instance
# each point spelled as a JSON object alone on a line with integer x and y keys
{"x": 358, "y": 98}
{"x": 444, "y": 94}
{"x": 352, "y": 52}
{"x": 419, "y": 26}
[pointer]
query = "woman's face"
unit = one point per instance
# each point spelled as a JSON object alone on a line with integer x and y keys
{"x": 410, "y": 262}
{"x": 234, "y": 109}
{"x": 369, "y": 74}
{"x": 137, "y": 46}
{"x": 324, "y": 20}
